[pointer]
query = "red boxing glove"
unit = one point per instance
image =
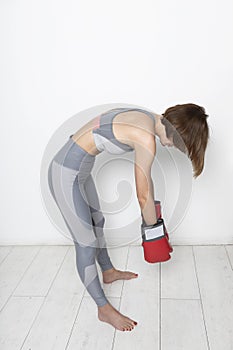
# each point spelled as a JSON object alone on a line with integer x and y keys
{"x": 155, "y": 243}
{"x": 159, "y": 215}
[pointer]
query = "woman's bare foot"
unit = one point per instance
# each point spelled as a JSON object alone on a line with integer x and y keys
{"x": 109, "y": 314}
{"x": 112, "y": 275}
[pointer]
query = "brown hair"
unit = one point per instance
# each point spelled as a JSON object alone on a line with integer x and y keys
{"x": 188, "y": 125}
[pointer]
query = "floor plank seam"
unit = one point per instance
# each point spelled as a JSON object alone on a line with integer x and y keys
{"x": 180, "y": 299}
{"x": 11, "y": 295}
{"x": 126, "y": 265}
{"x": 28, "y": 296}
{"x": 42, "y": 304}
{"x": 6, "y": 254}
{"x": 33, "y": 321}
{"x": 57, "y": 271}
{"x": 76, "y": 317}
{"x": 202, "y": 308}
{"x": 228, "y": 258}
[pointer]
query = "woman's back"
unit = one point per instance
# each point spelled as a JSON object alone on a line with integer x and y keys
{"x": 114, "y": 130}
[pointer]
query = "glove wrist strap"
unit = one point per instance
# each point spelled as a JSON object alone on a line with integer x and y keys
{"x": 153, "y": 232}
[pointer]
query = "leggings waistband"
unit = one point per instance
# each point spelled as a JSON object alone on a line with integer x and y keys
{"x": 73, "y": 156}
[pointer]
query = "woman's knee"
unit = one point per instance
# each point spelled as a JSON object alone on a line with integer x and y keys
{"x": 98, "y": 221}
{"x": 86, "y": 265}
{"x": 85, "y": 256}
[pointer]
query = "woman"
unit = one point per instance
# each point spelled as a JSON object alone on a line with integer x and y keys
{"x": 117, "y": 131}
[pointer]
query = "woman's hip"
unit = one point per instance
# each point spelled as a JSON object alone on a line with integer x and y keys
{"x": 73, "y": 156}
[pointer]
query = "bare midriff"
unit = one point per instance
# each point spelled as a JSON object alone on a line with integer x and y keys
{"x": 84, "y": 137}
{"x": 123, "y": 125}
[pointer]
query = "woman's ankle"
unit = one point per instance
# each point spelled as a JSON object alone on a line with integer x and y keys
{"x": 109, "y": 270}
{"x": 104, "y": 307}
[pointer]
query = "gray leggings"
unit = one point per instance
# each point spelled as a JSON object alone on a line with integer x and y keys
{"x": 73, "y": 189}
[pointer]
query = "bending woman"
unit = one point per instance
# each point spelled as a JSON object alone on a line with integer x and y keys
{"x": 117, "y": 131}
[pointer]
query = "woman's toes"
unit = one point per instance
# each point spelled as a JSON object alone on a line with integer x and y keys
{"x": 131, "y": 323}
{"x": 127, "y": 328}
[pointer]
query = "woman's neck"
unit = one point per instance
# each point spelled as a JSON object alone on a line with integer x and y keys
{"x": 159, "y": 127}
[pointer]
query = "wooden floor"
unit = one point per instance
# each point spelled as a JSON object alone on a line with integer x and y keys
{"x": 184, "y": 303}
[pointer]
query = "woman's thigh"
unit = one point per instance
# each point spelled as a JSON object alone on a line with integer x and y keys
{"x": 69, "y": 192}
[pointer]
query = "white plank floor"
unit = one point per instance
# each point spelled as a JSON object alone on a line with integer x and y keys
{"x": 184, "y": 303}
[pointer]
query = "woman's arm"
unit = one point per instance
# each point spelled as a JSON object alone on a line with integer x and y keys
{"x": 145, "y": 150}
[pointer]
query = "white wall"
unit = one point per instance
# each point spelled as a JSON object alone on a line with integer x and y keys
{"x": 62, "y": 57}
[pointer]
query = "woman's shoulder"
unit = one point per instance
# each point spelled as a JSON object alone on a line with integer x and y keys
{"x": 135, "y": 126}
{"x": 144, "y": 128}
